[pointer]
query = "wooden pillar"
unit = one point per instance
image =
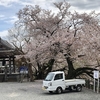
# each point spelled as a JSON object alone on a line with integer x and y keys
{"x": 3, "y": 62}
{"x": 9, "y": 65}
{"x": 5, "y": 73}
{"x": 14, "y": 64}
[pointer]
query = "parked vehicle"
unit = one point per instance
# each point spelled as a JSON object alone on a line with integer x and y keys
{"x": 55, "y": 82}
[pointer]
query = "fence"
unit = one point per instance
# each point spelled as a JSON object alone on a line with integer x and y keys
{"x": 90, "y": 84}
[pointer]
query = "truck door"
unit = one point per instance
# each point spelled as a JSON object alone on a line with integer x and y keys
{"x": 59, "y": 81}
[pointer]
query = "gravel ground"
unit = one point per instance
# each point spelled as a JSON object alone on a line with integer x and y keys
{"x": 33, "y": 91}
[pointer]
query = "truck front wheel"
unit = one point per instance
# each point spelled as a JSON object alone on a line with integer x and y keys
{"x": 79, "y": 88}
{"x": 59, "y": 90}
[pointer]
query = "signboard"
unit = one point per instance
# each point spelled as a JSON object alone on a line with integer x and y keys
{"x": 96, "y": 74}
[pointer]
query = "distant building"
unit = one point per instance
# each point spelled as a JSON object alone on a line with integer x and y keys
{"x": 7, "y": 58}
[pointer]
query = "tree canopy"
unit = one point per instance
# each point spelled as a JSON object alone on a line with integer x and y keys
{"x": 42, "y": 35}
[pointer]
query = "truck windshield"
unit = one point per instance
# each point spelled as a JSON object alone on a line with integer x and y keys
{"x": 49, "y": 77}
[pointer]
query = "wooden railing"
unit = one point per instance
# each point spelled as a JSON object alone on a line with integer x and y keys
{"x": 90, "y": 85}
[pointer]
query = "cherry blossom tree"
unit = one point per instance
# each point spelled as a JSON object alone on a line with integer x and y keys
{"x": 74, "y": 35}
{"x": 42, "y": 26}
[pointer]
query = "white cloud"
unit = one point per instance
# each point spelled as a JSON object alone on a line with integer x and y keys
{"x": 12, "y": 20}
{"x": 42, "y": 3}
{"x": 1, "y": 16}
{"x": 3, "y": 33}
{"x": 25, "y": 3}
{"x": 7, "y": 3}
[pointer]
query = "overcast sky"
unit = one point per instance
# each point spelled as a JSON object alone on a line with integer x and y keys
{"x": 9, "y": 8}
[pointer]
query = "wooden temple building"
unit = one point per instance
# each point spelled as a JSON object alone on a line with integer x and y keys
{"x": 7, "y": 61}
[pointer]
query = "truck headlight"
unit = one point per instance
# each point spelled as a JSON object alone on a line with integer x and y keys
{"x": 50, "y": 84}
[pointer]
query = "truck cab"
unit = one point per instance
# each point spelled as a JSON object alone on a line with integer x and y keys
{"x": 54, "y": 81}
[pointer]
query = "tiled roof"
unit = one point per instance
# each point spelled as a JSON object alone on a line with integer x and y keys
{"x": 7, "y": 49}
{"x": 5, "y": 45}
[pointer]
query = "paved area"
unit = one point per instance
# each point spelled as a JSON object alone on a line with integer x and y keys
{"x": 33, "y": 91}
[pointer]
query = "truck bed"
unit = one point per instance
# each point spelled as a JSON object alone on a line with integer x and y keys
{"x": 74, "y": 82}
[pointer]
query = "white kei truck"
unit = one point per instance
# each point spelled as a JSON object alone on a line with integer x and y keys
{"x": 55, "y": 82}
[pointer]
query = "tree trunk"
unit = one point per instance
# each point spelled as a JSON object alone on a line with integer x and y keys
{"x": 44, "y": 69}
{"x": 30, "y": 72}
{"x": 71, "y": 69}
{"x": 49, "y": 65}
{"x": 73, "y": 73}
